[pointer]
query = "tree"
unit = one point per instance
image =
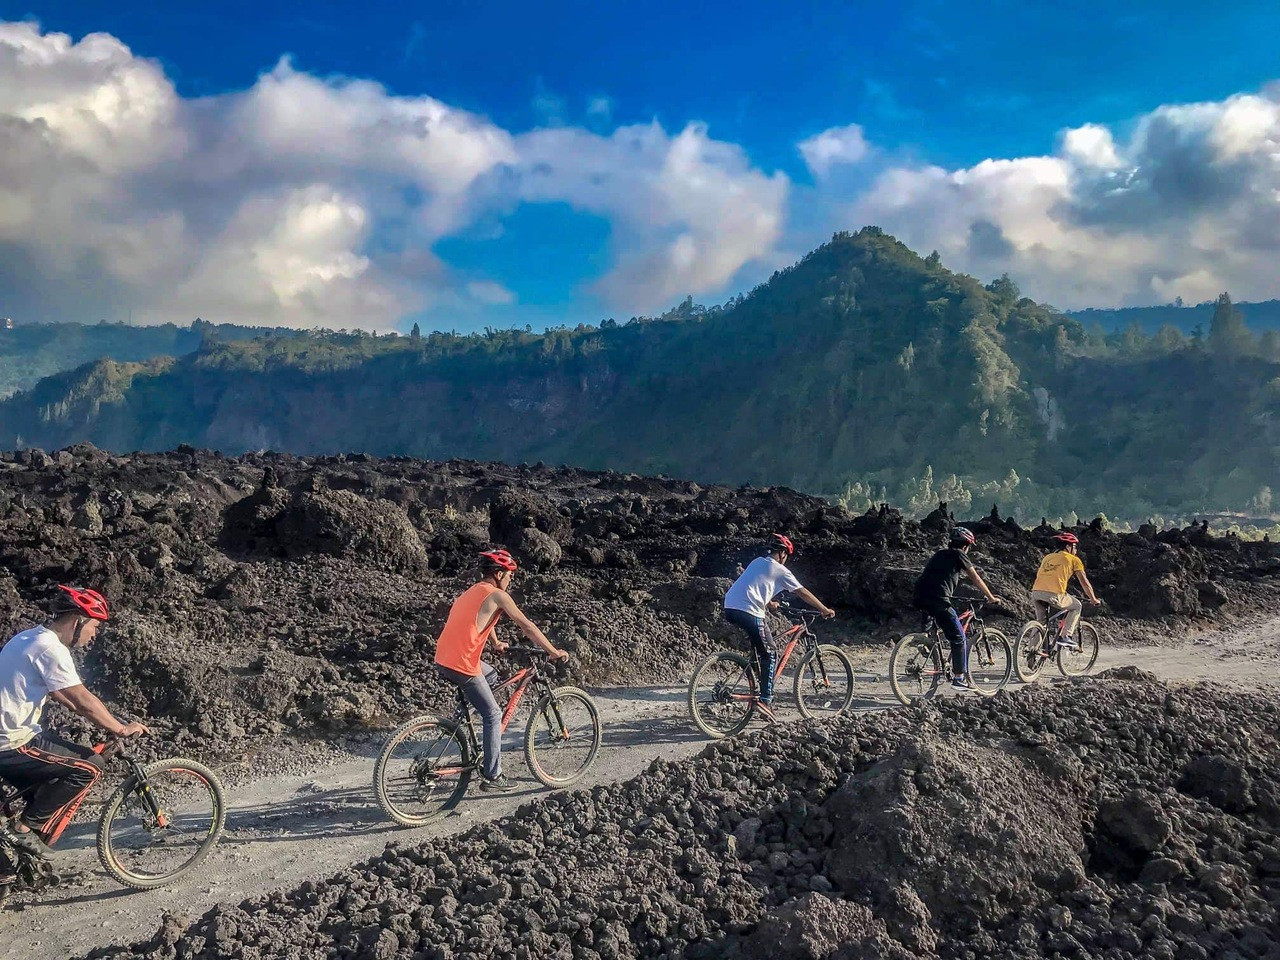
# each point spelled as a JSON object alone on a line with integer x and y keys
{"x": 1168, "y": 339}
{"x": 1228, "y": 334}
{"x": 416, "y": 332}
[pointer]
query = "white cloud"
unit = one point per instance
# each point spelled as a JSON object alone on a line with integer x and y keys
{"x": 689, "y": 212}
{"x": 834, "y": 147}
{"x": 1188, "y": 205}
{"x": 317, "y": 201}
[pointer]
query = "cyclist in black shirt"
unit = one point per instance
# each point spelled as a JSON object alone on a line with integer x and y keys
{"x": 934, "y": 590}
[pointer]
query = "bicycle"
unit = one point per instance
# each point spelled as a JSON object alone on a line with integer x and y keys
{"x": 722, "y": 694}
{"x": 1041, "y": 641}
{"x": 158, "y": 825}
{"x": 920, "y": 661}
{"x": 428, "y": 778}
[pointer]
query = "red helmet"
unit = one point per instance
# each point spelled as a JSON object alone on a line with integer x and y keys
{"x": 1067, "y": 537}
{"x": 962, "y": 535}
{"x": 785, "y": 543}
{"x": 89, "y": 603}
{"x": 495, "y": 560}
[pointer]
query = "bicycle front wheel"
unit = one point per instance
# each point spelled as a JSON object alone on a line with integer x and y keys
{"x": 915, "y": 668}
{"x": 824, "y": 683}
{"x": 722, "y": 694}
{"x": 156, "y": 829}
{"x": 423, "y": 771}
{"x": 563, "y": 737}
{"x": 1029, "y": 658}
{"x": 1076, "y": 663}
{"x": 990, "y": 662}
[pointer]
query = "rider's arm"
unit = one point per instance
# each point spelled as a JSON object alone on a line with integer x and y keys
{"x": 527, "y": 626}
{"x": 81, "y": 700}
{"x": 804, "y": 594}
{"x": 978, "y": 582}
{"x": 1088, "y": 587}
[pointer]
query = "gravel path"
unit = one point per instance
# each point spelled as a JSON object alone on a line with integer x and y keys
{"x": 283, "y": 830}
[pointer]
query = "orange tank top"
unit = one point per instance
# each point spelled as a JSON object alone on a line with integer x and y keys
{"x": 461, "y": 641}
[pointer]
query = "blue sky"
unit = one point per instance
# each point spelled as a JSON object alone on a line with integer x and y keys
{"x": 931, "y": 86}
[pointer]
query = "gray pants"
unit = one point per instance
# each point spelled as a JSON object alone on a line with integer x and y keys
{"x": 1058, "y": 601}
{"x": 478, "y": 692}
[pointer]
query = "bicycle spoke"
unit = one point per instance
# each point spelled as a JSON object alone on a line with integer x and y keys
{"x": 156, "y": 836}
{"x": 422, "y": 772}
{"x": 722, "y": 695}
{"x": 824, "y": 683}
{"x": 562, "y": 738}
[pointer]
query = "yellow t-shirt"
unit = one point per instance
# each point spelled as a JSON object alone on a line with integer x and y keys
{"x": 1056, "y": 570}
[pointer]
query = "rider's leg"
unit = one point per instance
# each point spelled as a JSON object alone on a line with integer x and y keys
{"x": 757, "y": 629}
{"x": 948, "y": 622}
{"x": 479, "y": 695}
{"x": 1075, "y": 608}
{"x": 62, "y": 772}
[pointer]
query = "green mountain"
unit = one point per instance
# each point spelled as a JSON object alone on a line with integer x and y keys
{"x": 31, "y": 352}
{"x": 1264, "y": 315}
{"x": 863, "y": 370}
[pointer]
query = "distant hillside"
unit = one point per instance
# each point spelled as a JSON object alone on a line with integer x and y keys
{"x": 31, "y": 352}
{"x": 1259, "y": 316}
{"x": 864, "y": 370}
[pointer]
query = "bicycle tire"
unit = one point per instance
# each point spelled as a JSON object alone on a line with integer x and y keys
{"x": 918, "y": 659}
{"x": 110, "y": 856}
{"x": 1076, "y": 663}
{"x": 829, "y": 661}
{"x": 703, "y": 720}
{"x": 993, "y": 648}
{"x": 1028, "y": 661}
{"x": 539, "y": 714}
{"x": 448, "y": 799}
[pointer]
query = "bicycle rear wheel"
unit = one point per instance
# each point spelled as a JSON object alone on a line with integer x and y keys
{"x": 144, "y": 847}
{"x": 722, "y": 694}
{"x": 1075, "y": 663}
{"x": 1029, "y": 657}
{"x": 915, "y": 668}
{"x": 824, "y": 683}
{"x": 423, "y": 771}
{"x": 563, "y": 737}
{"x": 990, "y": 662}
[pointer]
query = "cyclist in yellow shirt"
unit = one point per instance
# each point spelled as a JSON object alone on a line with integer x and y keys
{"x": 1050, "y": 589}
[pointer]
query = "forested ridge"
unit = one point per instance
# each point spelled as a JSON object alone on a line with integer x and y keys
{"x": 864, "y": 371}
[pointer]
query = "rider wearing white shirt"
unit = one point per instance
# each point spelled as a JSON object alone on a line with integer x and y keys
{"x": 36, "y": 665}
{"x": 749, "y": 600}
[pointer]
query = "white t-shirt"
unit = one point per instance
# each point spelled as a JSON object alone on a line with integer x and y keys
{"x": 33, "y": 665}
{"x": 763, "y": 579}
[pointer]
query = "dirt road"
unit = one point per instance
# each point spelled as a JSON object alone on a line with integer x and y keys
{"x": 283, "y": 830}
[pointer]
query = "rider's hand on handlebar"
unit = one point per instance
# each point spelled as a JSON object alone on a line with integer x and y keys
{"x": 134, "y": 729}
{"x": 559, "y": 656}
{"x": 995, "y": 601}
{"x": 773, "y": 605}
{"x": 499, "y": 646}
{"x": 827, "y": 613}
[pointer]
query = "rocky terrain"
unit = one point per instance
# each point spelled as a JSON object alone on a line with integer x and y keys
{"x": 1114, "y": 817}
{"x": 273, "y": 596}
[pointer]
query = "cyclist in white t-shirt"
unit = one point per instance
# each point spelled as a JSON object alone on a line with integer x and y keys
{"x": 35, "y": 665}
{"x": 749, "y": 600}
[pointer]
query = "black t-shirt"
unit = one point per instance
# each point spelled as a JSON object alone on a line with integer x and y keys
{"x": 941, "y": 576}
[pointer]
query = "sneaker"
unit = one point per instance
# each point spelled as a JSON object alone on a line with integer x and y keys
{"x": 1071, "y": 643}
{"x": 29, "y": 842}
{"x": 766, "y": 710}
{"x": 961, "y": 683}
{"x": 498, "y": 784}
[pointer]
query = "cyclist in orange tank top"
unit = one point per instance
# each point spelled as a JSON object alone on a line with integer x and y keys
{"x": 462, "y": 641}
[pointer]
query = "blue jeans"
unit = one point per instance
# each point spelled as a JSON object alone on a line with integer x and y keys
{"x": 757, "y": 629}
{"x": 478, "y": 692}
{"x": 948, "y": 621}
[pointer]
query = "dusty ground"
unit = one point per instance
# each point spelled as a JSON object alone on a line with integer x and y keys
{"x": 282, "y": 830}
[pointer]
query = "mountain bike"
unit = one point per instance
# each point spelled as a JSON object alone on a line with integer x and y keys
{"x": 920, "y": 662}
{"x": 160, "y": 823}
{"x": 426, "y": 765}
{"x": 722, "y": 694}
{"x": 1041, "y": 641}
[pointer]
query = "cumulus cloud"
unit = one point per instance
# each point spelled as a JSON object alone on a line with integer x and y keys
{"x": 688, "y": 211}
{"x": 834, "y": 147}
{"x": 317, "y": 201}
{"x": 1188, "y": 205}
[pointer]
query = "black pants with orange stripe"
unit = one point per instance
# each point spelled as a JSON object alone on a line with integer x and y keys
{"x": 61, "y": 772}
